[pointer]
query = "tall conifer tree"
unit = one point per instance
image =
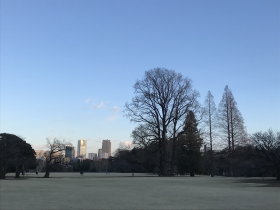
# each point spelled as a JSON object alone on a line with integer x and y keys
{"x": 189, "y": 144}
{"x": 231, "y": 124}
{"x": 210, "y": 121}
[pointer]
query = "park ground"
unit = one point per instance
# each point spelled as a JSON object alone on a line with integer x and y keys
{"x": 143, "y": 191}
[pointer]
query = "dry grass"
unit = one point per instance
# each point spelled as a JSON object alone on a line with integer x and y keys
{"x": 144, "y": 191}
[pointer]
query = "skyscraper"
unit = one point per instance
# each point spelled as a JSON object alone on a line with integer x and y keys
{"x": 106, "y": 147}
{"x": 82, "y": 148}
{"x": 69, "y": 151}
{"x": 99, "y": 153}
{"x": 92, "y": 156}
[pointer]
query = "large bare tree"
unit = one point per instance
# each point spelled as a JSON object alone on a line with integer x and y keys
{"x": 162, "y": 100}
{"x": 210, "y": 121}
{"x": 54, "y": 154}
{"x": 231, "y": 124}
{"x": 268, "y": 146}
{"x": 142, "y": 136}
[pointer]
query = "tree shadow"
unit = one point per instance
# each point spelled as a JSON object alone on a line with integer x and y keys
{"x": 266, "y": 182}
{"x": 20, "y": 178}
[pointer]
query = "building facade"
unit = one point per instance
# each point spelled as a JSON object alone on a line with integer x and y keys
{"x": 82, "y": 148}
{"x": 106, "y": 147}
{"x": 69, "y": 151}
{"x": 99, "y": 153}
{"x": 104, "y": 155}
{"x": 92, "y": 156}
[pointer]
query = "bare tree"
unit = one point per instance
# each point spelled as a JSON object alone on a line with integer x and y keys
{"x": 142, "y": 136}
{"x": 162, "y": 100}
{"x": 231, "y": 123}
{"x": 237, "y": 128}
{"x": 210, "y": 120}
{"x": 268, "y": 146}
{"x": 54, "y": 155}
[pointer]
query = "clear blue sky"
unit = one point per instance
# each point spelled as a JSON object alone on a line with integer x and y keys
{"x": 68, "y": 67}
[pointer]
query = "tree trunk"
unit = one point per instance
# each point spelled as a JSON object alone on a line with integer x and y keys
{"x": 2, "y": 174}
{"x": 212, "y": 171}
{"x": 47, "y": 174}
{"x": 173, "y": 157}
{"x": 278, "y": 174}
{"x": 164, "y": 162}
{"x": 211, "y": 158}
{"x": 17, "y": 172}
{"x": 22, "y": 170}
{"x": 160, "y": 158}
{"x": 229, "y": 161}
{"x": 162, "y": 149}
{"x": 210, "y": 135}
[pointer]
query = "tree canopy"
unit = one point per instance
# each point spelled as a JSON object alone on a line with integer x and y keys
{"x": 268, "y": 146}
{"x": 15, "y": 152}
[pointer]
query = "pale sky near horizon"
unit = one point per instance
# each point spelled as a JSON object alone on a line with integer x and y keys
{"x": 68, "y": 67}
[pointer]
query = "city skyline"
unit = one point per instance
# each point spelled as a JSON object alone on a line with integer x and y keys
{"x": 68, "y": 68}
{"x": 70, "y": 150}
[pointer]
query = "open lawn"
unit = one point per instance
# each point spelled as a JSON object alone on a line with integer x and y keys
{"x": 143, "y": 191}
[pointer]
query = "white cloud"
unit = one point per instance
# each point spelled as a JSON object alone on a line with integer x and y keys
{"x": 98, "y": 106}
{"x": 126, "y": 145}
{"x": 88, "y": 100}
{"x": 39, "y": 146}
{"x": 50, "y": 137}
{"x": 116, "y": 109}
{"x": 112, "y": 118}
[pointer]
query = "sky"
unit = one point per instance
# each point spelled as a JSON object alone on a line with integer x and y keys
{"x": 68, "y": 67}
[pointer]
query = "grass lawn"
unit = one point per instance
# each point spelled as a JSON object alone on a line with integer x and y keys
{"x": 143, "y": 191}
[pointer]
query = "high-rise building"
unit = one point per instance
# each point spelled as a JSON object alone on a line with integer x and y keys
{"x": 75, "y": 152}
{"x": 92, "y": 156}
{"x": 106, "y": 147}
{"x": 104, "y": 155}
{"x": 99, "y": 153}
{"x": 69, "y": 151}
{"x": 82, "y": 148}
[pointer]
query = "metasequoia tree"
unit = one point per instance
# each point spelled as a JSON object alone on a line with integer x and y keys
{"x": 268, "y": 146}
{"x": 231, "y": 124}
{"x": 54, "y": 154}
{"x": 162, "y": 100}
{"x": 210, "y": 121}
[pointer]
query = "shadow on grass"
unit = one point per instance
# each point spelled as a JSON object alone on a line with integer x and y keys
{"x": 77, "y": 176}
{"x": 95, "y": 176}
{"x": 20, "y": 178}
{"x": 267, "y": 182}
